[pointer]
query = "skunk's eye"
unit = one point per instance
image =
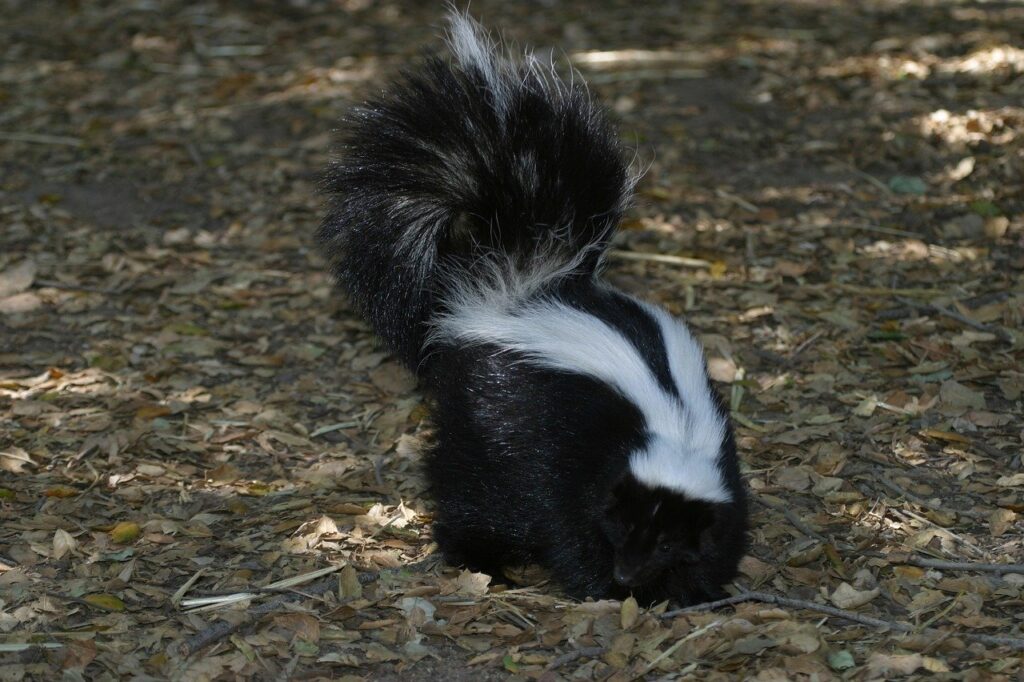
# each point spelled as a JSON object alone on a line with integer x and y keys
{"x": 665, "y": 548}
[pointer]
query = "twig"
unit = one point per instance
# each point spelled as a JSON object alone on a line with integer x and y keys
{"x": 806, "y": 344}
{"x": 916, "y": 499}
{"x": 65, "y": 286}
{"x": 675, "y": 646}
{"x": 739, "y": 201}
{"x": 880, "y": 230}
{"x": 660, "y": 258}
{"x": 585, "y": 652}
{"x": 990, "y": 450}
{"x": 899, "y": 490}
{"x": 1015, "y": 643}
{"x": 943, "y": 565}
{"x": 708, "y": 605}
{"x": 999, "y": 332}
{"x": 223, "y": 628}
{"x": 792, "y": 518}
{"x": 881, "y": 291}
{"x": 38, "y": 138}
{"x": 870, "y": 178}
{"x": 634, "y": 75}
{"x": 956, "y": 537}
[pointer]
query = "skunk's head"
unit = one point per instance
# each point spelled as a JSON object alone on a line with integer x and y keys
{"x": 669, "y": 545}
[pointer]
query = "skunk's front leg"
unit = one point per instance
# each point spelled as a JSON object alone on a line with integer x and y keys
{"x": 583, "y": 568}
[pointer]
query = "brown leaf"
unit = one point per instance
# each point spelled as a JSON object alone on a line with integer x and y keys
{"x": 303, "y": 625}
{"x": 15, "y": 460}
{"x": 20, "y": 303}
{"x": 848, "y": 597}
{"x": 753, "y": 645}
{"x": 63, "y": 543}
{"x": 793, "y": 478}
{"x": 17, "y": 278}
{"x": 754, "y": 568}
{"x": 349, "y": 586}
{"x": 887, "y": 666}
{"x": 107, "y": 602}
{"x": 955, "y": 395}
{"x": 473, "y": 584}
{"x": 78, "y": 653}
{"x": 224, "y": 473}
{"x": 1000, "y": 521}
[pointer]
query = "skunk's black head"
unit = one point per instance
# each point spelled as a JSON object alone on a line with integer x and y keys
{"x": 667, "y": 545}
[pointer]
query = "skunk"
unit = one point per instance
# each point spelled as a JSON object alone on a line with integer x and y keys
{"x": 469, "y": 213}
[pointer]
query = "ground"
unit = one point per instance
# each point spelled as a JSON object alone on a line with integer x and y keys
{"x": 832, "y": 199}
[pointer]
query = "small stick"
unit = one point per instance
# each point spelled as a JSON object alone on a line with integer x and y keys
{"x": 739, "y": 201}
{"x": 645, "y": 74}
{"x": 943, "y": 565}
{"x": 880, "y": 229}
{"x": 792, "y": 518}
{"x": 672, "y": 649}
{"x": 585, "y": 652}
{"x": 806, "y": 344}
{"x": 999, "y": 332}
{"x": 870, "y": 178}
{"x": 50, "y": 284}
{"x": 1015, "y": 643}
{"x": 916, "y": 499}
{"x": 38, "y": 138}
{"x": 660, "y": 258}
{"x": 223, "y": 628}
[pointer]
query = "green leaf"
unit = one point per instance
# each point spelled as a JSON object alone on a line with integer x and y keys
{"x": 123, "y": 555}
{"x": 907, "y": 184}
{"x": 841, "y": 660}
{"x": 125, "y": 532}
{"x": 986, "y": 209}
{"x": 886, "y": 335}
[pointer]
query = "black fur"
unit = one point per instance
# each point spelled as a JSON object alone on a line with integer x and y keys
{"x": 461, "y": 166}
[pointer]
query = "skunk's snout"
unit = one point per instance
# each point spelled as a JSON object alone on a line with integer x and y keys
{"x": 626, "y": 577}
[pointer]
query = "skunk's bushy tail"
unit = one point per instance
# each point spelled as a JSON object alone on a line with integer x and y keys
{"x": 462, "y": 165}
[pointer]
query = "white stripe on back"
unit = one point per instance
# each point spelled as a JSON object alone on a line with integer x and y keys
{"x": 685, "y": 435}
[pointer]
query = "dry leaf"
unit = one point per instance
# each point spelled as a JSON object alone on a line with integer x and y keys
{"x": 349, "y": 586}
{"x": 473, "y": 584}
{"x": 956, "y": 395}
{"x": 20, "y": 303}
{"x": 848, "y": 597}
{"x": 62, "y": 543}
{"x": 1000, "y": 521}
{"x": 629, "y": 614}
{"x": 17, "y": 278}
{"x": 303, "y": 625}
{"x": 15, "y": 460}
{"x": 793, "y": 478}
{"x": 887, "y": 666}
{"x": 78, "y": 653}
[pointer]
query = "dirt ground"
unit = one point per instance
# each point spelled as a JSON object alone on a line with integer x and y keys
{"x": 834, "y": 201}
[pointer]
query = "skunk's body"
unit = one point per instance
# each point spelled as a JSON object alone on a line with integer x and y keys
{"x": 577, "y": 427}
